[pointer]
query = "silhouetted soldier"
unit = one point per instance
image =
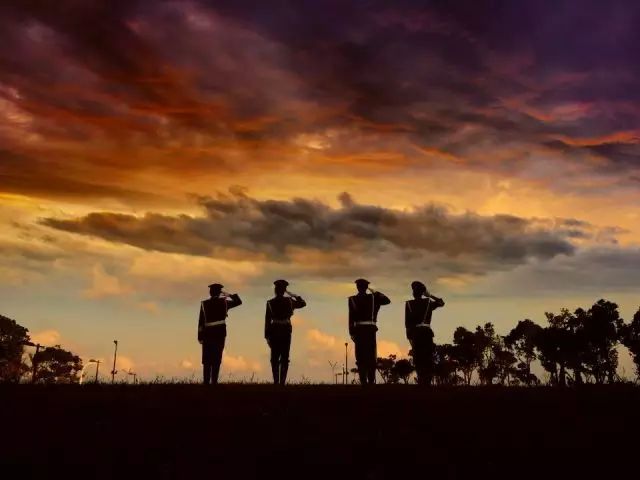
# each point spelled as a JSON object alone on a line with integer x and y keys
{"x": 363, "y": 315}
{"x": 417, "y": 321}
{"x": 277, "y": 328}
{"x": 212, "y": 329}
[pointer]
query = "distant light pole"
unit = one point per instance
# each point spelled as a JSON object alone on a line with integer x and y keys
{"x": 34, "y": 360}
{"x": 115, "y": 355}
{"x": 346, "y": 363}
{"x": 333, "y": 369}
{"x": 97, "y": 362}
{"x": 135, "y": 376}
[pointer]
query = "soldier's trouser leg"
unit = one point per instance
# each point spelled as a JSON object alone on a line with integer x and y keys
{"x": 360, "y": 361}
{"x": 206, "y": 374}
{"x": 423, "y": 357}
{"x": 428, "y": 365}
{"x": 274, "y": 343}
{"x": 417, "y": 346}
{"x": 218, "y": 348}
{"x": 365, "y": 341}
{"x": 206, "y": 362}
{"x": 284, "y": 358}
{"x": 372, "y": 352}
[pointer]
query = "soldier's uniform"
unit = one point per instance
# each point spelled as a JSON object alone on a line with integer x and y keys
{"x": 417, "y": 321}
{"x": 212, "y": 332}
{"x": 363, "y": 316}
{"x": 277, "y": 331}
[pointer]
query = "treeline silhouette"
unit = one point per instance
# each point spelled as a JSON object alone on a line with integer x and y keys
{"x": 573, "y": 348}
{"x": 46, "y": 364}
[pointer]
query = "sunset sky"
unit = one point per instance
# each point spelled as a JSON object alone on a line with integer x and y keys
{"x": 147, "y": 149}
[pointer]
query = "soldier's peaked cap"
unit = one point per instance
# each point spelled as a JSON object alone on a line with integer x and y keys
{"x": 281, "y": 283}
{"x": 216, "y": 285}
{"x": 362, "y": 280}
{"x": 418, "y": 285}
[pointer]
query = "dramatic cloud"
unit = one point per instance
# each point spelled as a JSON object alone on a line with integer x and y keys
{"x": 280, "y": 230}
{"x": 109, "y": 98}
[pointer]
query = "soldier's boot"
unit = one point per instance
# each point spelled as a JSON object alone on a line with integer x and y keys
{"x": 206, "y": 374}
{"x": 215, "y": 373}
{"x": 284, "y": 368}
{"x": 363, "y": 376}
{"x": 275, "y": 370}
{"x": 371, "y": 376}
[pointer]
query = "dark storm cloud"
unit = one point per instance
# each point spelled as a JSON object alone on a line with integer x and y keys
{"x": 470, "y": 78}
{"x": 280, "y": 228}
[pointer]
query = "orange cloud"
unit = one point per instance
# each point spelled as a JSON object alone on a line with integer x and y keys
{"x": 105, "y": 285}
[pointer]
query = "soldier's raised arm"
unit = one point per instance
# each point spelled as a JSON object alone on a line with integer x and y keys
{"x": 233, "y": 300}
{"x": 298, "y": 302}
{"x": 382, "y": 299}
{"x": 437, "y": 302}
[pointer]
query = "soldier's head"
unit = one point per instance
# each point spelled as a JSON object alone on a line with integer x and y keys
{"x": 215, "y": 289}
{"x": 362, "y": 285}
{"x": 280, "y": 287}
{"x": 419, "y": 289}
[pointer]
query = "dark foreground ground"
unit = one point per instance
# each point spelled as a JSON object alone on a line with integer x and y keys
{"x": 258, "y": 431}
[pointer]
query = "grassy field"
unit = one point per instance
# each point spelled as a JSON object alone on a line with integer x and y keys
{"x": 259, "y": 431}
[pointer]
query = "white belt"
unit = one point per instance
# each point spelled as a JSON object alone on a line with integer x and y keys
{"x": 213, "y": 324}
{"x": 365, "y": 323}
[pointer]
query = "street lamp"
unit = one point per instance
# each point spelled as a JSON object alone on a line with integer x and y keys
{"x": 333, "y": 369}
{"x": 135, "y": 376}
{"x": 346, "y": 363}
{"x": 115, "y": 355}
{"x": 97, "y": 362}
{"x": 34, "y": 360}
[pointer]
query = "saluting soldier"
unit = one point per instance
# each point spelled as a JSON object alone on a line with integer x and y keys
{"x": 277, "y": 328}
{"x": 212, "y": 329}
{"x": 363, "y": 316}
{"x": 417, "y": 321}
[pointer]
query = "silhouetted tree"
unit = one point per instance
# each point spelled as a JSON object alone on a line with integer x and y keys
{"x": 505, "y": 364}
{"x": 465, "y": 353}
{"x": 487, "y": 343}
{"x": 56, "y": 365}
{"x": 630, "y": 336}
{"x": 599, "y": 332}
{"x": 445, "y": 366}
{"x": 385, "y": 368}
{"x": 522, "y": 341}
{"x": 559, "y": 346}
{"x": 403, "y": 369}
{"x": 12, "y": 340}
